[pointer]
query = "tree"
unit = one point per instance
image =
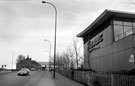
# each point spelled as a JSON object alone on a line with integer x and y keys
{"x": 87, "y": 61}
{"x": 71, "y": 56}
{"x": 62, "y": 61}
{"x": 57, "y": 61}
{"x": 88, "y": 55}
{"x": 20, "y": 57}
{"x": 66, "y": 60}
{"x": 2, "y": 66}
{"x": 76, "y": 49}
{"x": 26, "y": 63}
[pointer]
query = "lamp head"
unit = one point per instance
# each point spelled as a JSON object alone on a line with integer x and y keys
{"x": 44, "y": 2}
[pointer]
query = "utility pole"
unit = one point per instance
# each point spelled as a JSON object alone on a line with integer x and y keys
{"x": 12, "y": 59}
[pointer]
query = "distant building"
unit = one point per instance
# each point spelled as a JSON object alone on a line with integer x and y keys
{"x": 45, "y": 65}
{"x": 109, "y": 42}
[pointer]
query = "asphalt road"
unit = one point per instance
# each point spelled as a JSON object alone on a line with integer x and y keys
{"x": 40, "y": 78}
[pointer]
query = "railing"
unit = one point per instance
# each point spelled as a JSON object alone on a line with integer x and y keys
{"x": 92, "y": 79}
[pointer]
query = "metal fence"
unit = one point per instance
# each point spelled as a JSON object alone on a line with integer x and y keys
{"x": 123, "y": 80}
{"x": 97, "y": 79}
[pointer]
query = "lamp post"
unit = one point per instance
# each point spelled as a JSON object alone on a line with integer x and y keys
{"x": 49, "y": 52}
{"x": 55, "y": 33}
{"x": 12, "y": 59}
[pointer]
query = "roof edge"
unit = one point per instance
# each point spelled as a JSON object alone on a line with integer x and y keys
{"x": 105, "y": 12}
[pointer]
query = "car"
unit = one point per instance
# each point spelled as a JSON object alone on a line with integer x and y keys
{"x": 33, "y": 69}
{"x": 23, "y": 72}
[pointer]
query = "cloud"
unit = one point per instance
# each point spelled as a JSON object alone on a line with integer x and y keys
{"x": 17, "y": 18}
{"x": 25, "y": 23}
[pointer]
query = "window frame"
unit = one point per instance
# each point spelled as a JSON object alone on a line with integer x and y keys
{"x": 116, "y": 22}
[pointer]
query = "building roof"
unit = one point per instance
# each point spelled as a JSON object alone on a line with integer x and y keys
{"x": 103, "y": 17}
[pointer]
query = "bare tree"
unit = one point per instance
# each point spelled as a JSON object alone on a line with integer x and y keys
{"x": 88, "y": 55}
{"x": 76, "y": 50}
{"x": 87, "y": 61}
{"x": 59, "y": 61}
{"x": 66, "y": 60}
{"x": 71, "y": 56}
{"x": 63, "y": 60}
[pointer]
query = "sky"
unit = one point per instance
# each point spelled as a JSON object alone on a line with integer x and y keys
{"x": 24, "y": 24}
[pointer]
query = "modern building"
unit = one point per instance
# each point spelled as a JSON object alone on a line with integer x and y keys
{"x": 109, "y": 42}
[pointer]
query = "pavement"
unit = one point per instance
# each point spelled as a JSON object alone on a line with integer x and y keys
{"x": 61, "y": 80}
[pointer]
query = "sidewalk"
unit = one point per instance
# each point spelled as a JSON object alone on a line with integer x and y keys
{"x": 61, "y": 80}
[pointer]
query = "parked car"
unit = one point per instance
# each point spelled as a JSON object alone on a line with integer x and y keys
{"x": 23, "y": 72}
{"x": 33, "y": 69}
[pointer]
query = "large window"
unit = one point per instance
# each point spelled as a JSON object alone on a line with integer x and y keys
{"x": 122, "y": 28}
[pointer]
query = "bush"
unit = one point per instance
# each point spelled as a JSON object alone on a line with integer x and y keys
{"x": 131, "y": 72}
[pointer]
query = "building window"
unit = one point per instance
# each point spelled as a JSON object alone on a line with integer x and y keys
{"x": 127, "y": 23}
{"x": 122, "y": 29}
{"x": 127, "y": 30}
{"x": 118, "y": 30}
{"x": 117, "y": 22}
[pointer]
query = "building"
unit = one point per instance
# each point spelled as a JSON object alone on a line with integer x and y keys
{"x": 46, "y": 65}
{"x": 109, "y": 42}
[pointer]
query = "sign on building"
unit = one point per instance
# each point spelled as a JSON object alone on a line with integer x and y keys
{"x": 131, "y": 59}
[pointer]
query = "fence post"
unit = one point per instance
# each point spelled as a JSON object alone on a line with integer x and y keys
{"x": 87, "y": 76}
{"x": 112, "y": 80}
{"x": 88, "y": 79}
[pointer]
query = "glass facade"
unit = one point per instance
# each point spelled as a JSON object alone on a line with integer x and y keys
{"x": 122, "y": 28}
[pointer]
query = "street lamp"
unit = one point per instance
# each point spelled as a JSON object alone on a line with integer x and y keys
{"x": 12, "y": 59}
{"x": 49, "y": 52}
{"x": 54, "y": 35}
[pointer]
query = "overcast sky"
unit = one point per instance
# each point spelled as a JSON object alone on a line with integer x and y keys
{"x": 24, "y": 24}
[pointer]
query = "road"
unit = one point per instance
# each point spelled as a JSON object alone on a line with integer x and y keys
{"x": 40, "y": 78}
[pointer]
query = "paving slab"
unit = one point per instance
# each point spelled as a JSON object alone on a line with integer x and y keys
{"x": 61, "y": 80}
